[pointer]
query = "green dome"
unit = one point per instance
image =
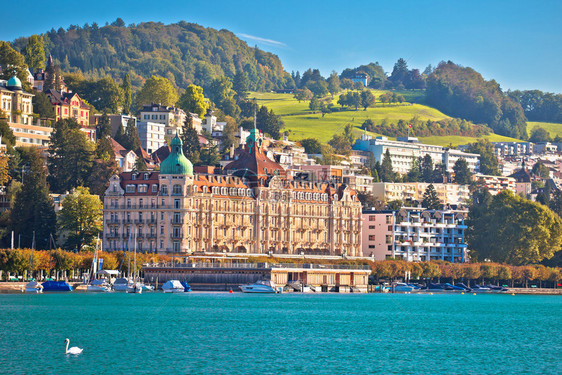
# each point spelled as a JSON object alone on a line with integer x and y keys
{"x": 14, "y": 83}
{"x": 176, "y": 162}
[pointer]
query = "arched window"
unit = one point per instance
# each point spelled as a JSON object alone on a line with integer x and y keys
{"x": 176, "y": 190}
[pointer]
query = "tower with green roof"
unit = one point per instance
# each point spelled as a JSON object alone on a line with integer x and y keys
{"x": 176, "y": 162}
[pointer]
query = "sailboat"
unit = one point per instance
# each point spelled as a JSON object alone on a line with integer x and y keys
{"x": 95, "y": 285}
{"x": 135, "y": 286}
{"x": 32, "y": 286}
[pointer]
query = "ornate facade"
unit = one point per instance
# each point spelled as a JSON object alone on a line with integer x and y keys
{"x": 251, "y": 208}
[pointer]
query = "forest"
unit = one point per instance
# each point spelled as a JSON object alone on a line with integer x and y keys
{"x": 183, "y": 52}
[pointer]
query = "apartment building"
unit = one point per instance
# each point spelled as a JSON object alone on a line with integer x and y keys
{"x": 453, "y": 194}
{"x": 152, "y": 135}
{"x": 495, "y": 184}
{"x": 415, "y": 234}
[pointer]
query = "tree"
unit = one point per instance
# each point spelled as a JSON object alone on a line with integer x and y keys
{"x": 539, "y": 134}
{"x": 70, "y": 156}
{"x": 488, "y": 160}
{"x": 328, "y": 157}
{"x": 228, "y": 137}
{"x": 346, "y": 84}
{"x": 311, "y": 145}
{"x": 222, "y": 94}
{"x": 240, "y": 84}
{"x": 415, "y": 173}
{"x": 427, "y": 168}
{"x": 190, "y": 141}
{"x": 334, "y": 84}
{"x": 127, "y": 94}
{"x": 303, "y": 94}
{"x": 367, "y": 99}
{"x": 193, "y": 100}
{"x": 510, "y": 229}
{"x": 12, "y": 61}
{"x": 340, "y": 144}
{"x": 140, "y": 165}
{"x": 102, "y": 169}
{"x": 4, "y": 169}
{"x": 314, "y": 104}
{"x": 348, "y": 134}
{"x": 34, "y": 52}
{"x": 8, "y": 137}
{"x": 42, "y": 106}
{"x": 103, "y": 129}
{"x": 157, "y": 90}
{"x": 33, "y": 210}
{"x": 131, "y": 139}
{"x": 210, "y": 156}
{"x": 399, "y": 72}
{"x": 81, "y": 217}
{"x": 268, "y": 122}
{"x": 386, "y": 173}
{"x": 430, "y": 199}
{"x": 540, "y": 169}
{"x": 462, "y": 173}
{"x": 354, "y": 99}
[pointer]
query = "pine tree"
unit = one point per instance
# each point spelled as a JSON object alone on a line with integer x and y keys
{"x": 132, "y": 136}
{"x": 127, "y": 91}
{"x": 427, "y": 168}
{"x": 103, "y": 129}
{"x": 462, "y": 173}
{"x": 140, "y": 165}
{"x": 387, "y": 174}
{"x": 415, "y": 174}
{"x": 120, "y": 135}
{"x": 430, "y": 199}
{"x": 33, "y": 209}
{"x": 190, "y": 139}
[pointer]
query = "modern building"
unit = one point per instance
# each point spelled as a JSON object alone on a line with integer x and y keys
{"x": 172, "y": 117}
{"x": 495, "y": 184}
{"x": 405, "y": 150}
{"x": 252, "y": 208}
{"x": 415, "y": 234}
{"x": 453, "y": 194}
{"x": 152, "y": 135}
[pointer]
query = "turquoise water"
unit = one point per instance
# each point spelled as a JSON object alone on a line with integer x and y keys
{"x": 236, "y": 333}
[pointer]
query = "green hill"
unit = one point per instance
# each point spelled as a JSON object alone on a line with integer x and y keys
{"x": 302, "y": 123}
{"x": 553, "y": 128}
{"x": 183, "y": 52}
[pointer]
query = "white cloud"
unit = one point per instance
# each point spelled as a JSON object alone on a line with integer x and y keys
{"x": 258, "y": 39}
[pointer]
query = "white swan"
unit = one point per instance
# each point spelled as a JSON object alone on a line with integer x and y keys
{"x": 73, "y": 350}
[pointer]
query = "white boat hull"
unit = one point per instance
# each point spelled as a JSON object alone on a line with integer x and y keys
{"x": 174, "y": 290}
{"x": 97, "y": 288}
{"x": 33, "y": 290}
{"x": 120, "y": 287}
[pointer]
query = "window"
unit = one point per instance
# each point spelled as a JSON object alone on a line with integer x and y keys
{"x": 154, "y": 188}
{"x": 372, "y": 226}
{"x": 177, "y": 218}
{"x": 388, "y": 239}
{"x": 143, "y": 188}
{"x": 372, "y": 218}
{"x": 176, "y": 203}
{"x": 128, "y": 203}
{"x": 372, "y": 237}
{"x": 176, "y": 190}
{"x": 164, "y": 190}
{"x": 161, "y": 229}
{"x": 141, "y": 203}
{"x": 145, "y": 176}
{"x": 130, "y": 188}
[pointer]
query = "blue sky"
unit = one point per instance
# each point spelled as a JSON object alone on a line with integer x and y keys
{"x": 517, "y": 43}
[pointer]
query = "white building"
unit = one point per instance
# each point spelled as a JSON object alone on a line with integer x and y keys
{"x": 452, "y": 194}
{"x": 172, "y": 117}
{"x": 152, "y": 135}
{"x": 404, "y": 151}
{"x": 415, "y": 235}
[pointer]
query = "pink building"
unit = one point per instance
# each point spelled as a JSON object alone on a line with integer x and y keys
{"x": 377, "y": 233}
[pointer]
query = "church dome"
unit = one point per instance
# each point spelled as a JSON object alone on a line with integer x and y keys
{"x": 176, "y": 162}
{"x": 14, "y": 83}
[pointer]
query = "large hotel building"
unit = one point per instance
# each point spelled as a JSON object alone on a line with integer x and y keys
{"x": 251, "y": 208}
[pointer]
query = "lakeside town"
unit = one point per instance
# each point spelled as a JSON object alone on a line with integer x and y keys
{"x": 200, "y": 185}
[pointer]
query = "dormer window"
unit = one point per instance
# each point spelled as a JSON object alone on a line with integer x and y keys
{"x": 145, "y": 176}
{"x": 133, "y": 176}
{"x": 130, "y": 188}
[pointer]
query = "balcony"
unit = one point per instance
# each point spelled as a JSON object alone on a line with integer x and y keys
{"x": 176, "y": 221}
{"x": 112, "y": 221}
{"x": 139, "y": 221}
{"x": 112, "y": 235}
{"x": 151, "y": 235}
{"x": 176, "y": 235}
{"x": 152, "y": 221}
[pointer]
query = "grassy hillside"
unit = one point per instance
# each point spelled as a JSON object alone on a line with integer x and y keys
{"x": 302, "y": 123}
{"x": 553, "y": 128}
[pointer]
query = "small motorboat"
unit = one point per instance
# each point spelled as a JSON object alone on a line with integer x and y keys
{"x": 464, "y": 286}
{"x": 260, "y": 286}
{"x": 33, "y": 287}
{"x": 121, "y": 284}
{"x": 434, "y": 287}
{"x": 480, "y": 289}
{"x": 186, "y": 287}
{"x": 147, "y": 288}
{"x": 299, "y": 286}
{"x": 134, "y": 288}
{"x": 496, "y": 288}
{"x": 56, "y": 286}
{"x": 453, "y": 288}
{"x": 173, "y": 286}
{"x": 403, "y": 287}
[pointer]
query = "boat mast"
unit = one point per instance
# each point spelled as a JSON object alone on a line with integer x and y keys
{"x": 129, "y": 250}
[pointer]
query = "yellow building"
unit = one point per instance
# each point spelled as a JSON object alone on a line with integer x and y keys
{"x": 250, "y": 209}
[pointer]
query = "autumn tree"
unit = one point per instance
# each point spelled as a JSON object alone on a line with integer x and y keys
{"x": 193, "y": 100}
{"x": 157, "y": 90}
{"x": 81, "y": 217}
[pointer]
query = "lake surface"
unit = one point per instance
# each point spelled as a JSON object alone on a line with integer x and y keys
{"x": 238, "y": 333}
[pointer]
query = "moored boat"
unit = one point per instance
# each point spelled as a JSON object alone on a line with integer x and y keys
{"x": 121, "y": 284}
{"x": 173, "y": 286}
{"x": 260, "y": 286}
{"x": 134, "y": 288}
{"x": 403, "y": 287}
{"x": 480, "y": 289}
{"x": 56, "y": 286}
{"x": 186, "y": 287}
{"x": 33, "y": 287}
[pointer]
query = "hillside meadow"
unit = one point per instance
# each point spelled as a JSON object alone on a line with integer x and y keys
{"x": 553, "y": 128}
{"x": 302, "y": 123}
